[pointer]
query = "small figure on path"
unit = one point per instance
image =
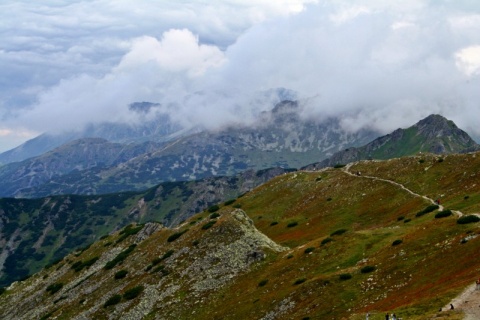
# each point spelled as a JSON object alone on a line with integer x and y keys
{"x": 451, "y": 306}
{"x": 387, "y": 317}
{"x": 367, "y": 317}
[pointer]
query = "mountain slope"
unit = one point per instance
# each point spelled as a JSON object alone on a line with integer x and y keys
{"x": 72, "y": 158}
{"x": 281, "y": 138}
{"x": 35, "y": 232}
{"x": 433, "y": 134}
{"x": 355, "y": 243}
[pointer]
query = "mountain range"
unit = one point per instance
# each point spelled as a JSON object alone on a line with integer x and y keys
{"x": 281, "y": 138}
{"x": 328, "y": 244}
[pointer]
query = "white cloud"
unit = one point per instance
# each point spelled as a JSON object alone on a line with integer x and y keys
{"x": 375, "y": 63}
{"x": 468, "y": 60}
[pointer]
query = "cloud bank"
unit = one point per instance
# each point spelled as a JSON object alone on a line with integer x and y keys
{"x": 370, "y": 63}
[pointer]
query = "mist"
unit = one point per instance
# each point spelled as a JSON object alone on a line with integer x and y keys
{"x": 370, "y": 64}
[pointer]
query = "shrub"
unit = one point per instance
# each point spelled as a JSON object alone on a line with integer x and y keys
{"x": 338, "y": 166}
{"x": 263, "y": 282}
{"x": 237, "y": 205}
{"x": 292, "y": 224}
{"x": 325, "y": 241}
{"x": 120, "y": 257}
{"x": 329, "y": 199}
{"x": 133, "y": 293}
{"x": 121, "y": 274}
{"x": 156, "y": 261}
{"x": 466, "y": 197}
{"x": 113, "y": 300}
{"x": 338, "y": 232}
{"x": 196, "y": 243}
{"x": 213, "y": 208}
{"x": 209, "y": 224}
{"x": 368, "y": 269}
{"x": 79, "y": 265}
{"x": 176, "y": 235}
{"x": 421, "y": 161}
{"x": 345, "y": 276}
{"x": 299, "y": 281}
{"x": 274, "y": 223}
{"x": 400, "y": 218}
{"x": 214, "y": 215}
{"x": 229, "y": 202}
{"x": 468, "y": 219}
{"x": 396, "y": 242}
{"x": 440, "y": 160}
{"x": 2, "y": 290}
{"x": 167, "y": 254}
{"x": 443, "y": 214}
{"x": 309, "y": 249}
{"x": 54, "y": 287}
{"x": 407, "y": 220}
{"x": 128, "y": 231}
{"x": 290, "y": 256}
{"x": 428, "y": 209}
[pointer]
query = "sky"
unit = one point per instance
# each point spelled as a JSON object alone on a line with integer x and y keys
{"x": 375, "y": 64}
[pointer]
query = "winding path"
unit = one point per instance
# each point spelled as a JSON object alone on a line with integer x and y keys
{"x": 440, "y": 207}
{"x": 468, "y": 301}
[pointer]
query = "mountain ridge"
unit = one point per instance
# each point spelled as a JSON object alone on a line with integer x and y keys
{"x": 355, "y": 244}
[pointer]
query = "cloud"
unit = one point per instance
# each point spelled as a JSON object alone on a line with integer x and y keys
{"x": 374, "y": 64}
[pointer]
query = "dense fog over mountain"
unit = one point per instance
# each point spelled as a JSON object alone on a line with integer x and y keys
{"x": 370, "y": 63}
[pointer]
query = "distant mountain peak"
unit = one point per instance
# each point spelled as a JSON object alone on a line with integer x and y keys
{"x": 434, "y": 134}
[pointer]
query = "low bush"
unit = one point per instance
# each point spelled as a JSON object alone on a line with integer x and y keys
{"x": 237, "y": 205}
{"x": 468, "y": 219}
{"x": 339, "y": 165}
{"x": 229, "y": 202}
{"x": 368, "y": 269}
{"x": 263, "y": 282}
{"x": 325, "y": 241}
{"x": 400, "y": 218}
{"x": 396, "y": 242}
{"x": 274, "y": 223}
{"x": 133, "y": 293}
{"x": 407, "y": 220}
{"x": 121, "y": 274}
{"x": 428, "y": 209}
{"x": 54, "y": 287}
{"x": 209, "y": 224}
{"x": 345, "y": 276}
{"x": 309, "y": 249}
{"x": 129, "y": 231}
{"x": 299, "y": 281}
{"x": 167, "y": 254}
{"x": 113, "y": 300}
{"x": 443, "y": 214}
{"x": 176, "y": 235}
{"x": 466, "y": 197}
{"x": 338, "y": 232}
{"x": 213, "y": 208}
{"x": 120, "y": 257}
{"x": 214, "y": 215}
{"x": 2, "y": 290}
{"x": 79, "y": 265}
{"x": 292, "y": 224}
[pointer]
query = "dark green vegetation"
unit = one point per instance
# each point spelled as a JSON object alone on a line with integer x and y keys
{"x": 221, "y": 272}
{"x": 428, "y": 209}
{"x": 44, "y": 230}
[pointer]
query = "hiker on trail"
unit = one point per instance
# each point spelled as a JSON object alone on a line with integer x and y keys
{"x": 387, "y": 317}
{"x": 394, "y": 316}
{"x": 477, "y": 284}
{"x": 367, "y": 317}
{"x": 451, "y": 306}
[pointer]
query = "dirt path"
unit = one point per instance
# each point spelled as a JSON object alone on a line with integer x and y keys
{"x": 468, "y": 301}
{"x": 347, "y": 168}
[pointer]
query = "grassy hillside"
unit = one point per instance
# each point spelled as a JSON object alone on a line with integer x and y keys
{"x": 36, "y": 232}
{"x": 330, "y": 244}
